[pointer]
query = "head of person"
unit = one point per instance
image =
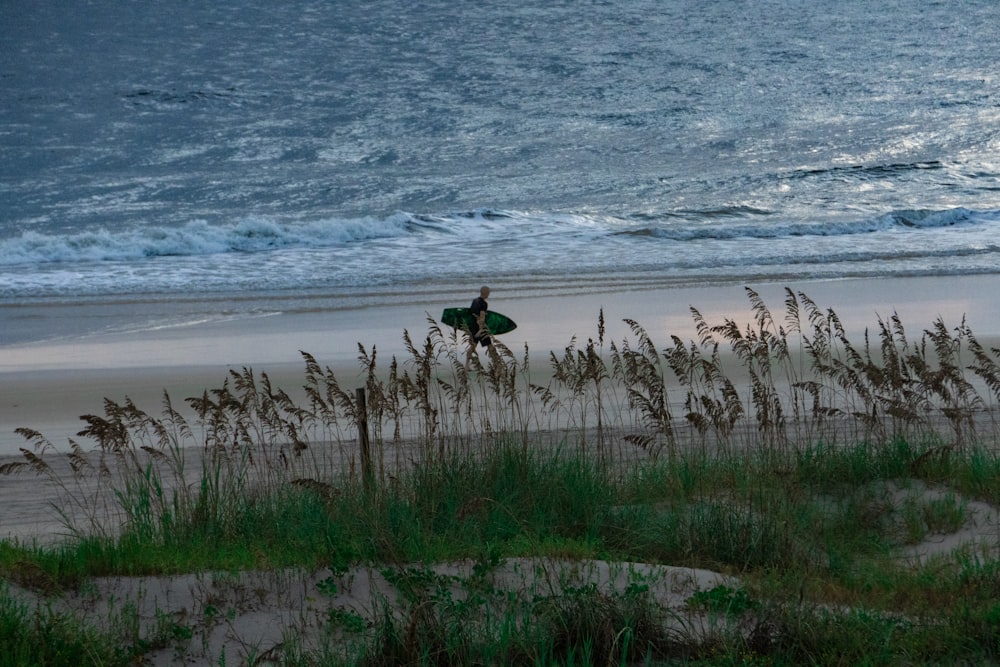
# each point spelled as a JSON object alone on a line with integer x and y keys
{"x": 484, "y": 292}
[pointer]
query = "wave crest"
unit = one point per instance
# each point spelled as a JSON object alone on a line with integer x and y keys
{"x": 410, "y": 234}
{"x": 249, "y": 235}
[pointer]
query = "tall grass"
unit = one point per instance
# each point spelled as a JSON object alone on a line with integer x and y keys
{"x": 777, "y": 383}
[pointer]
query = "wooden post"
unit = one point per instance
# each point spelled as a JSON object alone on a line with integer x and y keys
{"x": 366, "y": 455}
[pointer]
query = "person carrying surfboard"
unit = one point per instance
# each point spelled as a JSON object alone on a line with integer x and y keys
{"x": 477, "y": 331}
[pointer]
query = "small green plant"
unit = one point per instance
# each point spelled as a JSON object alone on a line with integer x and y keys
{"x": 348, "y": 621}
{"x": 938, "y": 515}
{"x": 327, "y": 586}
{"x": 724, "y": 600}
{"x": 945, "y": 515}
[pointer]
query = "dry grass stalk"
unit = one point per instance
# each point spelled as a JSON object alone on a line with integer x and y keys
{"x": 805, "y": 381}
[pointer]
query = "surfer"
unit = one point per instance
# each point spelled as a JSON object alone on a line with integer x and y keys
{"x": 478, "y": 332}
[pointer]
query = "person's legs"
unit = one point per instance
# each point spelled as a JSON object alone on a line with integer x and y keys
{"x": 469, "y": 353}
{"x": 473, "y": 343}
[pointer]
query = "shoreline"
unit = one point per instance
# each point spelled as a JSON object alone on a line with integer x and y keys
{"x": 47, "y": 386}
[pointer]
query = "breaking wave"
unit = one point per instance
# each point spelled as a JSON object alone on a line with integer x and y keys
{"x": 459, "y": 229}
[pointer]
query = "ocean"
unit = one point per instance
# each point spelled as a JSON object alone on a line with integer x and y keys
{"x": 185, "y": 161}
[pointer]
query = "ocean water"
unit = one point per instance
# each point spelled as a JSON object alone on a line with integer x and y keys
{"x": 222, "y": 160}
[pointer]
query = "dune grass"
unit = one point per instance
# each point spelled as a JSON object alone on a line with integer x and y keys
{"x": 781, "y": 453}
{"x": 815, "y": 544}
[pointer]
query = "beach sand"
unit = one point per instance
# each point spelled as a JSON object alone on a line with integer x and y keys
{"x": 48, "y": 386}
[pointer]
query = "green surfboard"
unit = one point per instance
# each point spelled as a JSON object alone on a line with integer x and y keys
{"x": 461, "y": 318}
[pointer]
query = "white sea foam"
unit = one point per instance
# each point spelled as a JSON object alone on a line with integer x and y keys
{"x": 255, "y": 234}
{"x": 260, "y": 234}
{"x": 261, "y": 255}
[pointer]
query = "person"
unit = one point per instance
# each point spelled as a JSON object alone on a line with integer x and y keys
{"x": 478, "y": 333}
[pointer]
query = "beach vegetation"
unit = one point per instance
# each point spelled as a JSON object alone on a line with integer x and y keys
{"x": 841, "y": 494}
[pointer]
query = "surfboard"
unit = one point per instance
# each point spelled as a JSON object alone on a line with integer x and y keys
{"x": 461, "y": 318}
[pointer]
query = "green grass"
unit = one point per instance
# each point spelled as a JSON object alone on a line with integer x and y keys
{"x": 735, "y": 512}
{"x": 811, "y": 536}
{"x": 42, "y": 636}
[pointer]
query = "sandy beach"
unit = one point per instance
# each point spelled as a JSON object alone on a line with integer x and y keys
{"x": 47, "y": 386}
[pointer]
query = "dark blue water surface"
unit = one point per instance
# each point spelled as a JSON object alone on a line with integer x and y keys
{"x": 350, "y": 149}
